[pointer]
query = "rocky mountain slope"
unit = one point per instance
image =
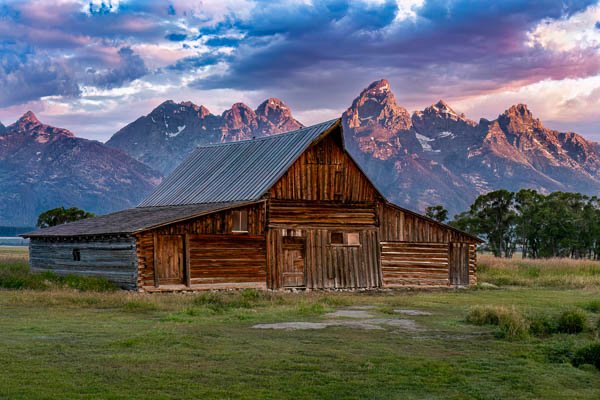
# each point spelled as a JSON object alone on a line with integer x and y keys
{"x": 438, "y": 156}
{"x": 433, "y": 156}
{"x": 167, "y": 135}
{"x": 43, "y": 167}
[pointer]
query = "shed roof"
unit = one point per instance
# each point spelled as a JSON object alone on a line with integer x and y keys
{"x": 235, "y": 171}
{"x": 133, "y": 220}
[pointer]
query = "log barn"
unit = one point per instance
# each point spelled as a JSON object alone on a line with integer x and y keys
{"x": 286, "y": 211}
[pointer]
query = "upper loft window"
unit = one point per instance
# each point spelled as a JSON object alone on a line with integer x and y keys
{"x": 345, "y": 238}
{"x": 76, "y": 255}
{"x": 240, "y": 221}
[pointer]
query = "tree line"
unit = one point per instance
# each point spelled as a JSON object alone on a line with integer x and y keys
{"x": 559, "y": 224}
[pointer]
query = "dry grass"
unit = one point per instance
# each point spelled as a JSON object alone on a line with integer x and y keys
{"x": 13, "y": 254}
{"x": 553, "y": 272}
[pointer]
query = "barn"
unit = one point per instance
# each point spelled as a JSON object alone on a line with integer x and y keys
{"x": 286, "y": 211}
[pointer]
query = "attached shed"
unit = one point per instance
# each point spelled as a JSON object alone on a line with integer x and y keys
{"x": 286, "y": 211}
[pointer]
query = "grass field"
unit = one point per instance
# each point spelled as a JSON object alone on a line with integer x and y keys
{"x": 57, "y": 342}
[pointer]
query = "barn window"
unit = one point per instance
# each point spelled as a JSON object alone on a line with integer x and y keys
{"x": 337, "y": 238}
{"x": 353, "y": 239}
{"x": 76, "y": 255}
{"x": 240, "y": 221}
{"x": 345, "y": 238}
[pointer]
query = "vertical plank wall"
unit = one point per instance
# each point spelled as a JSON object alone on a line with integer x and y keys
{"x": 215, "y": 255}
{"x": 324, "y": 192}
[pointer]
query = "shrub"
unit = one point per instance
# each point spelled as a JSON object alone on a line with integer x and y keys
{"x": 511, "y": 323}
{"x": 572, "y": 321}
{"x": 592, "y": 306}
{"x": 560, "y": 352}
{"x": 484, "y": 315}
{"x": 589, "y": 354}
{"x": 541, "y": 325}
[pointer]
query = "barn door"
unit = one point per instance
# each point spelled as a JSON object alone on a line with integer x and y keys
{"x": 459, "y": 264}
{"x": 293, "y": 262}
{"x": 169, "y": 259}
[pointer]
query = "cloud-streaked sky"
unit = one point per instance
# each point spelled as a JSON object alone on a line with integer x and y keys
{"x": 94, "y": 66}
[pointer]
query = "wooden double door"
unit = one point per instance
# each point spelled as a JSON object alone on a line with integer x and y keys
{"x": 169, "y": 260}
{"x": 293, "y": 249}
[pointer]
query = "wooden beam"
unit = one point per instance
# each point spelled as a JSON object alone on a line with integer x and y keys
{"x": 154, "y": 264}
{"x": 188, "y": 270}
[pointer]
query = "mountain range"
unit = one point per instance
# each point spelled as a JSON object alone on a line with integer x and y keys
{"x": 433, "y": 156}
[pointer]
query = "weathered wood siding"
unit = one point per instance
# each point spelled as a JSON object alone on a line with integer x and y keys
{"x": 110, "y": 257}
{"x": 225, "y": 259}
{"x": 414, "y": 264}
{"x": 402, "y": 226}
{"x": 328, "y": 266}
{"x": 214, "y": 255}
{"x": 324, "y": 172}
{"x": 416, "y": 251}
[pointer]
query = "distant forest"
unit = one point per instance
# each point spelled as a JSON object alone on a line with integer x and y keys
{"x": 559, "y": 224}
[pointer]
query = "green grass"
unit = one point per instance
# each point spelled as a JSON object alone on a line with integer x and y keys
{"x": 62, "y": 343}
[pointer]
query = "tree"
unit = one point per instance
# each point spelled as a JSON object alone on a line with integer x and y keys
{"x": 438, "y": 213}
{"x": 61, "y": 215}
{"x": 530, "y": 221}
{"x": 493, "y": 215}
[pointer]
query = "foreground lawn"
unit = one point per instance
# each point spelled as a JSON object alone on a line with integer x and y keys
{"x": 62, "y": 343}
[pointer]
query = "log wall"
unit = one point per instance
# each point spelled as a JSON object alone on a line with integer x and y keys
{"x": 416, "y": 251}
{"x": 215, "y": 256}
{"x": 414, "y": 264}
{"x": 113, "y": 258}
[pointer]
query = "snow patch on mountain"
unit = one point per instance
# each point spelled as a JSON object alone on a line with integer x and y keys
{"x": 424, "y": 141}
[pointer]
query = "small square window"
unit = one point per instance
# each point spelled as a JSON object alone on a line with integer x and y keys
{"x": 353, "y": 239}
{"x": 337, "y": 238}
{"x": 240, "y": 221}
{"x": 76, "y": 255}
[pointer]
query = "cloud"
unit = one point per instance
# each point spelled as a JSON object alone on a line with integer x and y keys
{"x": 130, "y": 67}
{"x": 26, "y": 75}
{"x": 579, "y": 31}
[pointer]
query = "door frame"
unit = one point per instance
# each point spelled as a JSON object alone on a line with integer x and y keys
{"x": 184, "y": 257}
{"x": 297, "y": 242}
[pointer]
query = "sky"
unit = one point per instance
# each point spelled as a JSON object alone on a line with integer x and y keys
{"x": 94, "y": 66}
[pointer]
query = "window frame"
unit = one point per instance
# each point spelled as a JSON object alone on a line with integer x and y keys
{"x": 241, "y": 218}
{"x": 76, "y": 254}
{"x": 345, "y": 239}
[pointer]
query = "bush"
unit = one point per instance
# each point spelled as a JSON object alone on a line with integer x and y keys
{"x": 541, "y": 325}
{"x": 572, "y": 321}
{"x": 561, "y": 352}
{"x": 589, "y": 354}
{"x": 511, "y": 323}
{"x": 484, "y": 315}
{"x": 592, "y": 306}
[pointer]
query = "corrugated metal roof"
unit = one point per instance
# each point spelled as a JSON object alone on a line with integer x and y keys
{"x": 235, "y": 171}
{"x": 133, "y": 220}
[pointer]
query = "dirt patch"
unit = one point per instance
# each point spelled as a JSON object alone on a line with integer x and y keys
{"x": 413, "y": 313}
{"x": 349, "y": 314}
{"x": 356, "y": 317}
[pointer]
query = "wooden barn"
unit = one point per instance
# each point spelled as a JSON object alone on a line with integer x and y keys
{"x": 286, "y": 211}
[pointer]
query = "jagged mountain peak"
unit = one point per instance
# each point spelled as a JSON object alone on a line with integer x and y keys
{"x": 519, "y": 120}
{"x": 30, "y": 125}
{"x": 29, "y": 117}
{"x": 376, "y": 107}
{"x": 381, "y": 86}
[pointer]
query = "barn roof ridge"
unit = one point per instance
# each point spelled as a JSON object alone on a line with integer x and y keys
{"x": 268, "y": 137}
{"x": 235, "y": 171}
